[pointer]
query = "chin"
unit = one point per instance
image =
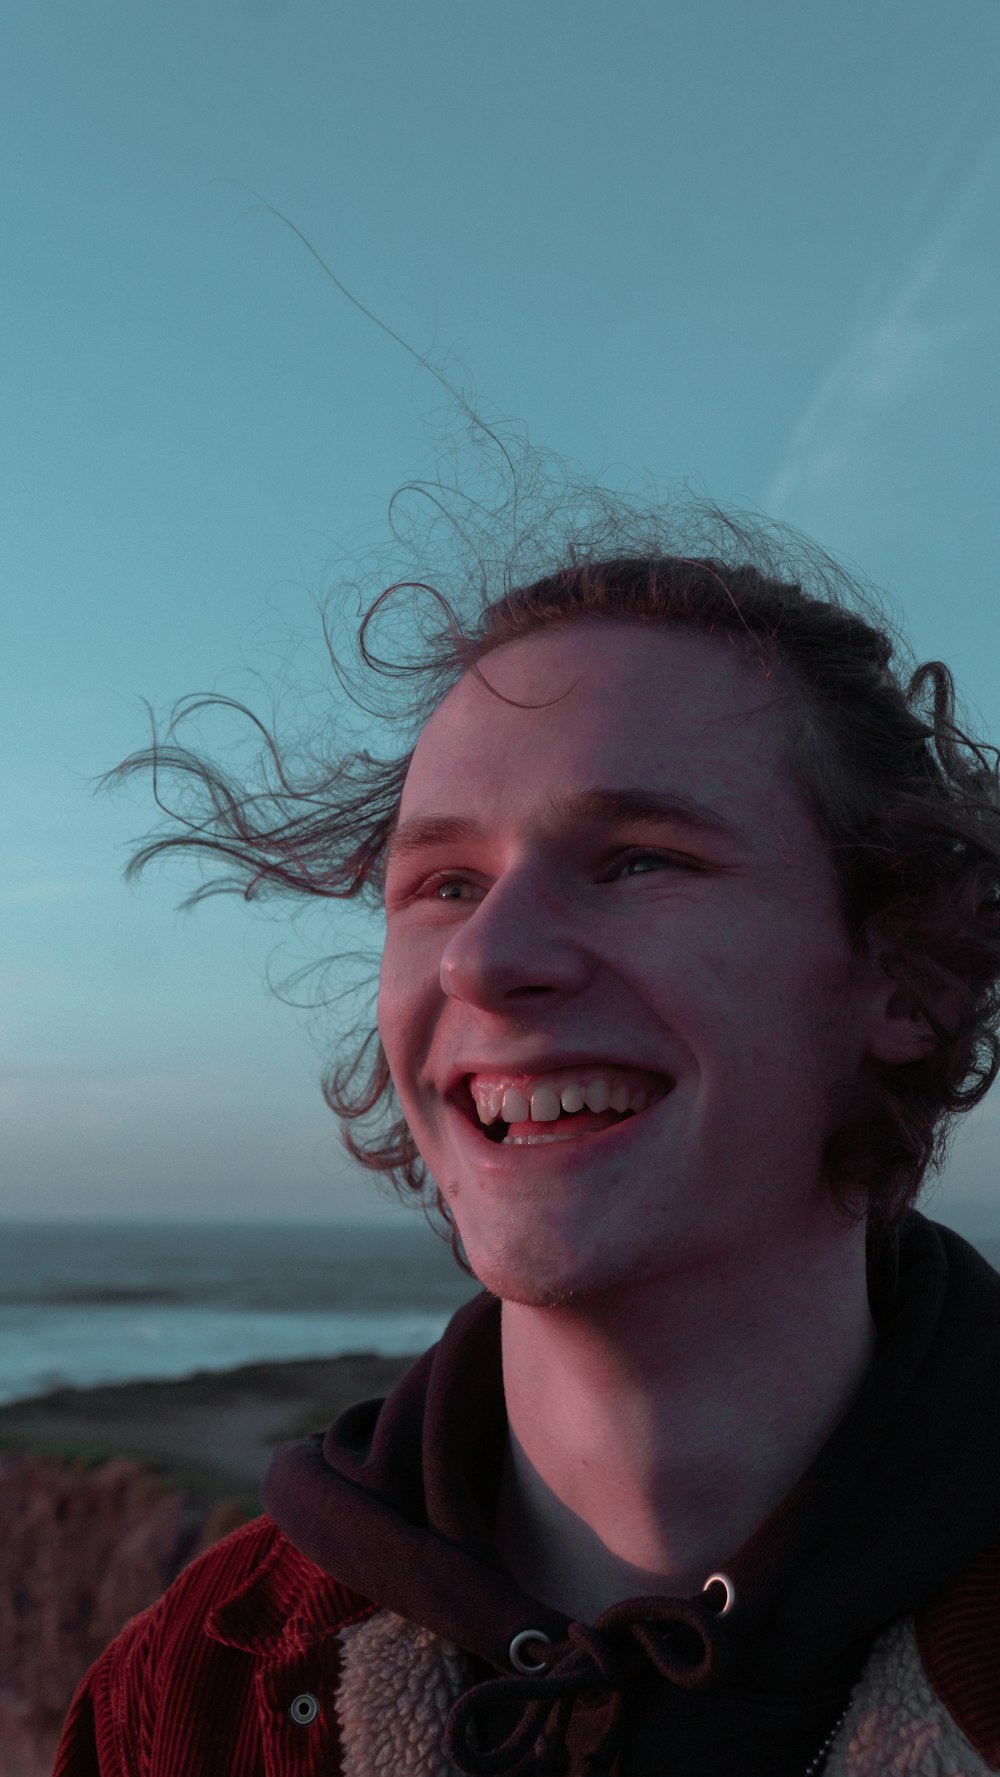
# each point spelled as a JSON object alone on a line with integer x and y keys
{"x": 527, "y": 1293}
{"x": 533, "y": 1274}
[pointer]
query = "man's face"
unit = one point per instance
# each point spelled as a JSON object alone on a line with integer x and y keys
{"x": 719, "y": 962}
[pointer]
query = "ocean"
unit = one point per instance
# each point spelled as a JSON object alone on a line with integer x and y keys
{"x": 83, "y": 1303}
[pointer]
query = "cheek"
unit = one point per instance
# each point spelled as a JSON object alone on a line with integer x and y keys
{"x": 402, "y": 993}
{"x": 388, "y": 1009}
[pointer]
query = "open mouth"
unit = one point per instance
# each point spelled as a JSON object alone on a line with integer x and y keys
{"x": 568, "y": 1126}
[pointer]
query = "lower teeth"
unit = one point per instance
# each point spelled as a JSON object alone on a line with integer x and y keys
{"x": 532, "y": 1141}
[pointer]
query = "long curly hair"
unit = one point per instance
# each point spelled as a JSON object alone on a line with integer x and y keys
{"x": 909, "y": 803}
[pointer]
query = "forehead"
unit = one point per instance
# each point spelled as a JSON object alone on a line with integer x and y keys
{"x": 642, "y": 705}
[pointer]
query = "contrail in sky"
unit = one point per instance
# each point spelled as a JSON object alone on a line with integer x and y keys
{"x": 893, "y": 338}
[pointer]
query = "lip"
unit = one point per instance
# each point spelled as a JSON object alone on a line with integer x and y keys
{"x": 519, "y": 1162}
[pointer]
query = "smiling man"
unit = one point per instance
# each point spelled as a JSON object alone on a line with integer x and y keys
{"x": 618, "y": 899}
{"x": 688, "y": 938}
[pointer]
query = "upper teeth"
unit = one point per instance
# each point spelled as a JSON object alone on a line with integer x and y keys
{"x": 542, "y": 1102}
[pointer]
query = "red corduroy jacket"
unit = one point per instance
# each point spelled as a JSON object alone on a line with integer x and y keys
{"x": 235, "y": 1670}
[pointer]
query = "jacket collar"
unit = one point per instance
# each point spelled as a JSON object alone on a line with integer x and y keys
{"x": 287, "y": 1602}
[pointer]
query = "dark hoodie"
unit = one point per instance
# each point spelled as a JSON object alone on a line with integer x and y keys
{"x": 397, "y": 1500}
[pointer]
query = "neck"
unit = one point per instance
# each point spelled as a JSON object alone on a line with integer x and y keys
{"x": 652, "y": 1428}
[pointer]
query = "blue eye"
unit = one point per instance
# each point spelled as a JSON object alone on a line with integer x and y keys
{"x": 658, "y": 857}
{"x": 678, "y": 860}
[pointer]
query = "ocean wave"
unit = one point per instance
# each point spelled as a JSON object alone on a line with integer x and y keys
{"x": 99, "y": 1296}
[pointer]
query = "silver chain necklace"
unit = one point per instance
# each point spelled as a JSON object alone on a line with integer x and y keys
{"x": 820, "y": 1758}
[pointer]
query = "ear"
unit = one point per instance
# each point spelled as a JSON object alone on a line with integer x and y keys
{"x": 901, "y": 1032}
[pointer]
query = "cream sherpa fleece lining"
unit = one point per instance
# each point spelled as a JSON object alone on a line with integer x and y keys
{"x": 399, "y": 1683}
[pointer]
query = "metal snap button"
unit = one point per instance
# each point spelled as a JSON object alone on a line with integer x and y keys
{"x": 304, "y": 1709}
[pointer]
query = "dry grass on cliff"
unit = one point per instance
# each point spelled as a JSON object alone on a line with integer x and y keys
{"x": 86, "y": 1545}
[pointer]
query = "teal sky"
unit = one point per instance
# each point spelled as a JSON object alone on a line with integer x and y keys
{"x": 754, "y": 247}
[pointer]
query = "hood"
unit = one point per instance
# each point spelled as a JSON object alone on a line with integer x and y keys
{"x": 396, "y": 1501}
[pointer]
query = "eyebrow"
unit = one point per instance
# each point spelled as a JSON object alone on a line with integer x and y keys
{"x": 600, "y": 807}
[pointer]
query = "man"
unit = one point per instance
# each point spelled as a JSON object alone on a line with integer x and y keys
{"x": 670, "y": 1495}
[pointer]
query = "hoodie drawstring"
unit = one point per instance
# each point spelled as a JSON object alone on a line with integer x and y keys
{"x": 687, "y": 1646}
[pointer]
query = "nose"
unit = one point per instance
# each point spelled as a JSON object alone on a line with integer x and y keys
{"x": 519, "y": 942}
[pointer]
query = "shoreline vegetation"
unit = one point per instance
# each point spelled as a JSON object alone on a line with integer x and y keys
{"x": 211, "y": 1432}
{"x": 108, "y": 1492}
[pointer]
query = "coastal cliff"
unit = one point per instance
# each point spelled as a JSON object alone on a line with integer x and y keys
{"x": 84, "y": 1549}
{"x": 106, "y": 1494}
